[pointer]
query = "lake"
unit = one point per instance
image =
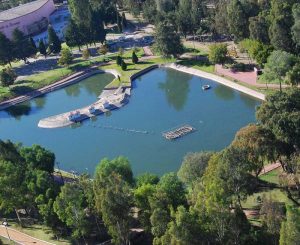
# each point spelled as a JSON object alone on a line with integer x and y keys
{"x": 161, "y": 100}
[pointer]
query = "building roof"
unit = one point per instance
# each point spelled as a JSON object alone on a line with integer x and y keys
{"x": 21, "y": 10}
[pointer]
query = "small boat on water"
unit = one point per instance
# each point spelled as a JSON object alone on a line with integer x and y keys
{"x": 206, "y": 87}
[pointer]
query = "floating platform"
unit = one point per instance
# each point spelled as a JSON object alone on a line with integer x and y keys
{"x": 108, "y": 101}
{"x": 178, "y": 132}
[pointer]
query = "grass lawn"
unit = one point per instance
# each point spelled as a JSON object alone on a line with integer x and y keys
{"x": 275, "y": 194}
{"x": 198, "y": 65}
{"x": 45, "y": 78}
{"x": 40, "y": 232}
{"x": 132, "y": 69}
{"x": 272, "y": 177}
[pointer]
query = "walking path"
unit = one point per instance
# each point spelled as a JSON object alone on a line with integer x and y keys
{"x": 21, "y": 238}
{"x": 218, "y": 79}
{"x": 76, "y": 77}
{"x": 270, "y": 167}
{"x": 249, "y": 78}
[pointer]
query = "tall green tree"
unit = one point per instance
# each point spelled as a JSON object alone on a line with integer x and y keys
{"x": 116, "y": 205}
{"x": 167, "y": 41}
{"x": 6, "y": 50}
{"x": 237, "y": 20}
{"x": 193, "y": 167}
{"x": 278, "y": 65}
{"x": 296, "y": 26}
{"x": 281, "y": 23}
{"x": 70, "y": 206}
{"x": 73, "y": 35}
{"x": 258, "y": 27}
{"x": 53, "y": 41}
{"x": 42, "y": 48}
{"x": 290, "y": 229}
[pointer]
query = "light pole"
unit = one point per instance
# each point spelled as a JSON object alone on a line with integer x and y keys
{"x": 5, "y": 225}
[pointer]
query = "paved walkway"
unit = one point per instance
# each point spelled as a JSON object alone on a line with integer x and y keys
{"x": 218, "y": 79}
{"x": 270, "y": 167}
{"x": 249, "y": 78}
{"x": 21, "y": 238}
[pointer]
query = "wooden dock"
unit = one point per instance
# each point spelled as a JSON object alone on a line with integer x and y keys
{"x": 178, "y": 132}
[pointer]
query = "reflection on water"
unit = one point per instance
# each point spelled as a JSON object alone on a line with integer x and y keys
{"x": 20, "y": 110}
{"x": 248, "y": 101}
{"x": 224, "y": 93}
{"x": 73, "y": 90}
{"x": 40, "y": 102}
{"x": 162, "y": 99}
{"x": 176, "y": 88}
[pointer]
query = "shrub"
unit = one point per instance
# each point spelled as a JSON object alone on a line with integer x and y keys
{"x": 135, "y": 59}
{"x": 8, "y": 76}
{"x": 86, "y": 54}
{"x": 119, "y": 60}
{"x": 124, "y": 65}
{"x": 218, "y": 53}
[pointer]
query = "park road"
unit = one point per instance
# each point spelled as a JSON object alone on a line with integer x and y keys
{"x": 21, "y": 238}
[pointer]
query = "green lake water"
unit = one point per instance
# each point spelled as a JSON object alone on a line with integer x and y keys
{"x": 161, "y": 100}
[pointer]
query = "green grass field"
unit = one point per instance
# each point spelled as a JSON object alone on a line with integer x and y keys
{"x": 40, "y": 80}
{"x": 40, "y": 232}
{"x": 132, "y": 69}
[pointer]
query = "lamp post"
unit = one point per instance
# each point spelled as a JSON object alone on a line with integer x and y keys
{"x": 5, "y": 225}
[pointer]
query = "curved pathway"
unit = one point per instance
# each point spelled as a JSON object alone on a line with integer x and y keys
{"x": 74, "y": 78}
{"x": 218, "y": 79}
{"x": 20, "y": 237}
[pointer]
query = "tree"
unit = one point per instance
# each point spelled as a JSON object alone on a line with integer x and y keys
{"x": 123, "y": 65}
{"x": 280, "y": 114}
{"x": 184, "y": 17}
{"x": 23, "y": 48}
{"x": 293, "y": 76}
{"x": 8, "y": 77}
{"x": 135, "y": 59}
{"x": 33, "y": 45}
{"x": 184, "y": 229}
{"x": 86, "y": 54}
{"x": 218, "y": 53}
{"x": 258, "y": 144}
{"x": 237, "y": 20}
{"x": 66, "y": 57}
{"x": 12, "y": 176}
{"x": 258, "y": 28}
{"x": 119, "y": 23}
{"x": 147, "y": 178}
{"x": 119, "y": 60}
{"x": 296, "y": 26}
{"x": 53, "y": 41}
{"x": 193, "y": 167}
{"x": 167, "y": 40}
{"x": 119, "y": 165}
{"x": 173, "y": 188}
{"x": 42, "y": 48}
{"x": 290, "y": 228}
{"x": 279, "y": 63}
{"x": 73, "y": 35}
{"x": 281, "y": 23}
{"x": 97, "y": 31}
{"x": 272, "y": 214}
{"x": 124, "y": 20}
{"x": 116, "y": 204}
{"x": 142, "y": 196}
{"x": 70, "y": 206}
{"x": 37, "y": 157}
{"x": 6, "y": 50}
